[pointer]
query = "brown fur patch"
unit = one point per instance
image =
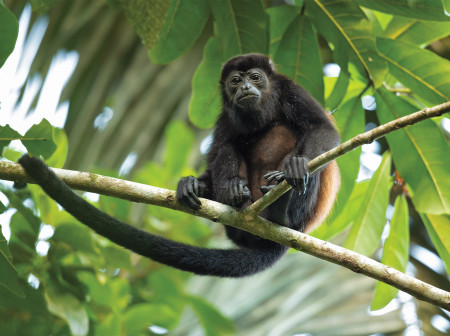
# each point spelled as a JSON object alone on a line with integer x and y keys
{"x": 329, "y": 186}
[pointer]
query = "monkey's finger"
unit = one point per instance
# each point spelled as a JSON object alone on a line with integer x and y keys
{"x": 192, "y": 197}
{"x": 246, "y": 193}
{"x": 195, "y": 186}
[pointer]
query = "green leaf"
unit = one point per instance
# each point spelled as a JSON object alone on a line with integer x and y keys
{"x": 58, "y": 158}
{"x": 76, "y": 235}
{"x": 179, "y": 140}
{"x": 205, "y": 103}
{"x": 240, "y": 26}
{"x": 298, "y": 56}
{"x": 39, "y": 139}
{"x": 69, "y": 308}
{"x": 349, "y": 121}
{"x": 420, "y": 33}
{"x": 183, "y": 25}
{"x": 420, "y": 153}
{"x": 280, "y": 18}
{"x": 214, "y": 323}
{"x": 438, "y": 227}
{"x": 8, "y": 274}
{"x": 9, "y": 29}
{"x": 424, "y": 72}
{"x": 395, "y": 252}
{"x": 345, "y": 218}
{"x": 7, "y": 134}
{"x": 419, "y": 9}
{"x": 370, "y": 219}
{"x": 348, "y": 29}
{"x": 338, "y": 93}
{"x": 141, "y": 316}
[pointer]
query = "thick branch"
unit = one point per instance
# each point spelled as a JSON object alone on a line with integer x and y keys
{"x": 247, "y": 221}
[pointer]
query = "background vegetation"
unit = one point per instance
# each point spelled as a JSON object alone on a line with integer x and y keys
{"x": 145, "y": 120}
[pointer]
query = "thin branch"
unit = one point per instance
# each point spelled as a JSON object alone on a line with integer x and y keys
{"x": 246, "y": 220}
{"x": 359, "y": 140}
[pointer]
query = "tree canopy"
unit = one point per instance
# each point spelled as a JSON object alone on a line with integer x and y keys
{"x": 145, "y": 90}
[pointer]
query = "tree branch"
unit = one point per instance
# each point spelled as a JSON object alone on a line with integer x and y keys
{"x": 248, "y": 220}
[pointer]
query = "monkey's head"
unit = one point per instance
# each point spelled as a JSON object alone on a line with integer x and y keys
{"x": 247, "y": 93}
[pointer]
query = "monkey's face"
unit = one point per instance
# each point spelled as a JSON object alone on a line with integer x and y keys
{"x": 246, "y": 89}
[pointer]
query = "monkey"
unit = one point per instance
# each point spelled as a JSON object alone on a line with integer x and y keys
{"x": 268, "y": 130}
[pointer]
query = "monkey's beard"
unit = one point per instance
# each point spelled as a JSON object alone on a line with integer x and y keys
{"x": 251, "y": 119}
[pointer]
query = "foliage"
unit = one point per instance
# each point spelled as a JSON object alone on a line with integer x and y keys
{"x": 86, "y": 285}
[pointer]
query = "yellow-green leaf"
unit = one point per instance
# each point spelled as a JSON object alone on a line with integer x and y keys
{"x": 420, "y": 153}
{"x": 424, "y": 72}
{"x": 395, "y": 252}
{"x": 438, "y": 228}
{"x": 365, "y": 234}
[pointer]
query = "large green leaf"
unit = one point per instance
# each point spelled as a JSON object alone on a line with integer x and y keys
{"x": 183, "y": 25}
{"x": 204, "y": 106}
{"x": 240, "y": 26}
{"x": 344, "y": 25}
{"x": 350, "y": 122}
{"x": 370, "y": 219}
{"x": 416, "y": 31}
{"x": 420, "y": 153}
{"x": 9, "y": 29}
{"x": 395, "y": 252}
{"x": 419, "y": 9}
{"x": 280, "y": 18}
{"x": 424, "y": 72}
{"x": 298, "y": 56}
{"x": 438, "y": 228}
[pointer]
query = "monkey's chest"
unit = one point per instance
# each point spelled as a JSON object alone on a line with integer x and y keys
{"x": 268, "y": 154}
{"x": 269, "y": 151}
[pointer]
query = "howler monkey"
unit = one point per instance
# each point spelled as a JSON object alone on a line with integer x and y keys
{"x": 268, "y": 130}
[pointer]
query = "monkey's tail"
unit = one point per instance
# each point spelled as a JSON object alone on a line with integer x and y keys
{"x": 233, "y": 263}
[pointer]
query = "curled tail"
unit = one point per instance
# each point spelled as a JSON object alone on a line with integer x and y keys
{"x": 233, "y": 263}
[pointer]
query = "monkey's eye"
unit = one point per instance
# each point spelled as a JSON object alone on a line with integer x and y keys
{"x": 256, "y": 77}
{"x": 235, "y": 80}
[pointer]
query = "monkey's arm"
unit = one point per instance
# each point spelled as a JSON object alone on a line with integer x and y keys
{"x": 318, "y": 139}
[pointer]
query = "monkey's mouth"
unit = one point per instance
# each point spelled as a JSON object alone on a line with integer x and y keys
{"x": 248, "y": 95}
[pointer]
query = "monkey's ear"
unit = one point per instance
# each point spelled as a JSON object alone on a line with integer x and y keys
{"x": 272, "y": 65}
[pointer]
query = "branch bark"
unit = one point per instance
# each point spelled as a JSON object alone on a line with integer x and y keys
{"x": 249, "y": 221}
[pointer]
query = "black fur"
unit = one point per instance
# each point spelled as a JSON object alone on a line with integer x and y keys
{"x": 241, "y": 138}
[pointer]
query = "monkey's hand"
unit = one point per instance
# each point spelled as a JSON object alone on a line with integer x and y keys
{"x": 296, "y": 173}
{"x": 188, "y": 190}
{"x": 235, "y": 192}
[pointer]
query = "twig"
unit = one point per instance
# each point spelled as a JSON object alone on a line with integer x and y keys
{"x": 246, "y": 220}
